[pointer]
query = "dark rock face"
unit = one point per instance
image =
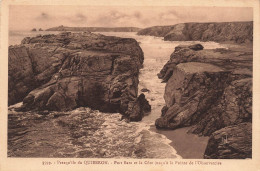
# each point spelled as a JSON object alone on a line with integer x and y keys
{"x": 234, "y": 107}
{"x": 239, "y": 32}
{"x": 145, "y": 90}
{"x": 19, "y": 76}
{"x": 232, "y": 142}
{"x": 190, "y": 91}
{"x": 209, "y": 90}
{"x": 139, "y": 107}
{"x": 68, "y": 70}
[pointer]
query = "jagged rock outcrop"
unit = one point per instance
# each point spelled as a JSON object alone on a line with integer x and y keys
{"x": 138, "y": 108}
{"x": 232, "y": 142}
{"x": 191, "y": 90}
{"x": 208, "y": 90}
{"x": 234, "y": 107}
{"x": 69, "y": 70}
{"x": 239, "y": 32}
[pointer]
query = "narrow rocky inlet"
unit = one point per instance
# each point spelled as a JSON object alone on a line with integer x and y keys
{"x": 208, "y": 92}
{"x": 92, "y": 133}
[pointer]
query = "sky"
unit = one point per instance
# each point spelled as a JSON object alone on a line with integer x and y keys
{"x": 29, "y": 16}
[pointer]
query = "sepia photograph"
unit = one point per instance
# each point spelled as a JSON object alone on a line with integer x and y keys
{"x": 132, "y": 82}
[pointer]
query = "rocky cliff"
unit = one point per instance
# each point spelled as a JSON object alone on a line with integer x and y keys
{"x": 69, "y": 70}
{"x": 239, "y": 32}
{"x": 95, "y": 29}
{"x": 210, "y": 90}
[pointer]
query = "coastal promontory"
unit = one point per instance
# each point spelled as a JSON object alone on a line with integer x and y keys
{"x": 94, "y": 29}
{"x": 69, "y": 70}
{"x": 210, "y": 91}
{"x": 236, "y": 32}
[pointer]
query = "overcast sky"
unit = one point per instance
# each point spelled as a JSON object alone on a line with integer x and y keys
{"x": 28, "y": 17}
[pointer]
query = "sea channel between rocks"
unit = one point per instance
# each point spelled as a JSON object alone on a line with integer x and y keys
{"x": 84, "y": 132}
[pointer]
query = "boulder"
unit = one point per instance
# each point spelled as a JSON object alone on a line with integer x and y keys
{"x": 145, "y": 90}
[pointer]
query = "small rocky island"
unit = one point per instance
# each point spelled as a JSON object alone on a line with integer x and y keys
{"x": 69, "y": 70}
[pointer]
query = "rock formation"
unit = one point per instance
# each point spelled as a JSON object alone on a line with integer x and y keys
{"x": 210, "y": 90}
{"x": 232, "y": 142}
{"x": 69, "y": 70}
{"x": 239, "y": 32}
{"x": 138, "y": 108}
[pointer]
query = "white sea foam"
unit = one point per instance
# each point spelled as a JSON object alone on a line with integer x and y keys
{"x": 132, "y": 137}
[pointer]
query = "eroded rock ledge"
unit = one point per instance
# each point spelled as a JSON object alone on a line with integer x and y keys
{"x": 69, "y": 70}
{"x": 210, "y": 90}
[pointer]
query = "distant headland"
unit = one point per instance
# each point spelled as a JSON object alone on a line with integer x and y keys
{"x": 95, "y": 29}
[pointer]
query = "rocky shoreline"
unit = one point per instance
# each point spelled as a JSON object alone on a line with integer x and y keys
{"x": 211, "y": 90}
{"x": 207, "y": 90}
{"x": 69, "y": 70}
{"x": 238, "y": 32}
